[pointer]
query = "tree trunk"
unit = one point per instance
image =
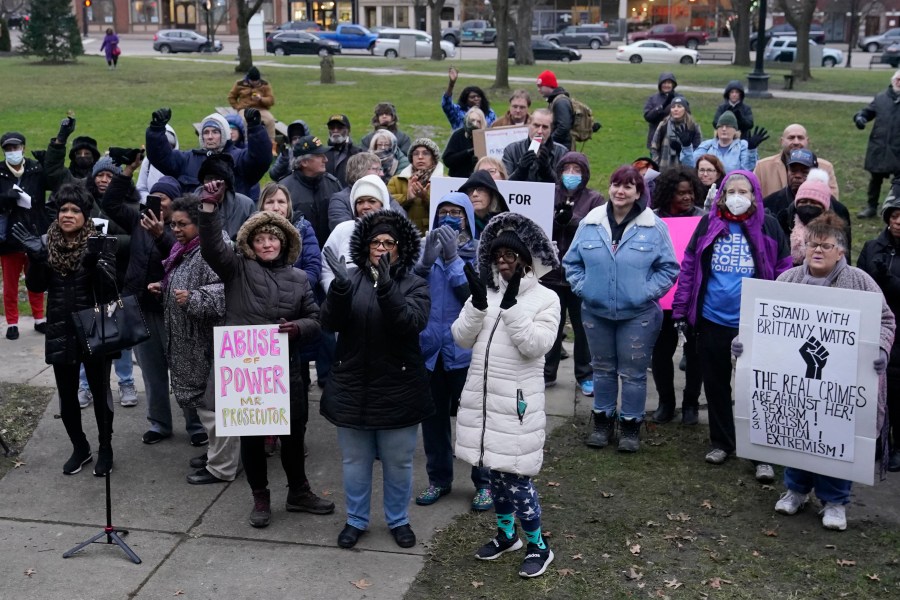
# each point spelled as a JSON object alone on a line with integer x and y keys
{"x": 524, "y": 18}
{"x": 743, "y": 25}
{"x": 245, "y": 11}
{"x": 799, "y": 14}
{"x": 436, "y": 7}
{"x": 502, "y": 23}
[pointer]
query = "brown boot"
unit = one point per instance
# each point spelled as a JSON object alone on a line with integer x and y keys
{"x": 304, "y": 500}
{"x": 262, "y": 509}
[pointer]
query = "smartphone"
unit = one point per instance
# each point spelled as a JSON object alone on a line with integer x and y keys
{"x": 154, "y": 203}
{"x": 535, "y": 145}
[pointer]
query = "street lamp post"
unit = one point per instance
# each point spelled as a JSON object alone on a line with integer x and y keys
{"x": 758, "y": 80}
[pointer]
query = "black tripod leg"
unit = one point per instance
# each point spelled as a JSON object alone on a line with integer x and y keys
{"x": 121, "y": 544}
{"x": 84, "y": 544}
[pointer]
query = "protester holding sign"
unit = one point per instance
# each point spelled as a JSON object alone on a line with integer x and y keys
{"x": 825, "y": 265}
{"x": 737, "y": 239}
{"x": 676, "y": 194}
{"x": 878, "y": 260}
{"x": 262, "y": 287}
{"x": 487, "y": 201}
{"x": 620, "y": 264}
{"x": 378, "y": 390}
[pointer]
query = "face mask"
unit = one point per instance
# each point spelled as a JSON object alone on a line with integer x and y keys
{"x": 807, "y": 213}
{"x": 337, "y": 139}
{"x": 454, "y": 222}
{"x": 570, "y": 181}
{"x": 84, "y": 162}
{"x": 737, "y": 205}
{"x": 15, "y": 157}
{"x": 383, "y": 154}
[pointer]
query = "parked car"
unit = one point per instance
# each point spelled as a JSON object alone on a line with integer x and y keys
{"x": 388, "y": 44}
{"x": 581, "y": 36}
{"x": 17, "y": 20}
{"x": 300, "y": 42}
{"x": 547, "y": 50}
{"x": 655, "y": 51}
{"x": 299, "y": 26}
{"x": 891, "y": 55}
{"x": 183, "y": 40}
{"x": 671, "y": 35}
{"x": 874, "y": 43}
{"x": 816, "y": 33}
{"x": 473, "y": 32}
{"x": 784, "y": 49}
{"x": 350, "y": 37}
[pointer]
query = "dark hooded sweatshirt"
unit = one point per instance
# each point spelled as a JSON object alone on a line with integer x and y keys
{"x": 484, "y": 179}
{"x": 657, "y": 106}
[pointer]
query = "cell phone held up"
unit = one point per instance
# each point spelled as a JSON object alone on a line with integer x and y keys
{"x": 124, "y": 156}
{"x": 153, "y": 204}
{"x": 100, "y": 244}
{"x": 535, "y": 145}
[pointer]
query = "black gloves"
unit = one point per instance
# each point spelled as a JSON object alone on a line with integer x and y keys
{"x": 384, "y": 271}
{"x": 757, "y": 137}
{"x": 338, "y": 266}
{"x": 526, "y": 161}
{"x": 685, "y": 136}
{"x": 512, "y": 290}
{"x": 860, "y": 121}
{"x": 66, "y": 127}
{"x": 290, "y": 328}
{"x": 563, "y": 213}
{"x": 9, "y": 198}
{"x": 160, "y": 117}
{"x": 880, "y": 269}
{"x": 252, "y": 116}
{"x": 675, "y": 145}
{"x": 476, "y": 287}
{"x": 668, "y": 99}
{"x": 544, "y": 158}
{"x": 32, "y": 243}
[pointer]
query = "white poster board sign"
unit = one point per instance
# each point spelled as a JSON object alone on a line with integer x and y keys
{"x": 534, "y": 200}
{"x": 806, "y": 394}
{"x": 493, "y": 141}
{"x": 252, "y": 378}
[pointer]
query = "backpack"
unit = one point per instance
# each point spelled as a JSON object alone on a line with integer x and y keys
{"x": 583, "y": 125}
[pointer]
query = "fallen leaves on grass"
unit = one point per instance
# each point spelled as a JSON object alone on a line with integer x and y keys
{"x": 846, "y": 563}
{"x": 553, "y": 483}
{"x": 770, "y": 532}
{"x": 706, "y": 504}
{"x": 673, "y": 583}
{"x": 577, "y": 557}
{"x": 757, "y": 553}
{"x": 17, "y": 463}
{"x": 683, "y": 517}
{"x": 570, "y": 536}
{"x": 29, "y": 572}
{"x": 362, "y": 584}
{"x": 178, "y": 593}
{"x": 566, "y": 572}
{"x": 873, "y": 577}
{"x": 830, "y": 547}
{"x": 767, "y": 487}
{"x": 716, "y": 582}
{"x": 633, "y": 574}
{"x": 606, "y": 494}
{"x": 477, "y": 584}
{"x": 652, "y": 524}
{"x": 635, "y": 549}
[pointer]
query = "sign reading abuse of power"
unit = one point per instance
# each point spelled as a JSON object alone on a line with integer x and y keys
{"x": 806, "y": 394}
{"x": 252, "y": 380}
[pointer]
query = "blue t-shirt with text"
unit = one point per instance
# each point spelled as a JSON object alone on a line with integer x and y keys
{"x": 732, "y": 261}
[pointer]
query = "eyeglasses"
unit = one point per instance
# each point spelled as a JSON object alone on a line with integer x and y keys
{"x": 386, "y": 244}
{"x": 816, "y": 245}
{"x": 707, "y": 171}
{"x": 507, "y": 256}
{"x": 374, "y": 169}
{"x": 451, "y": 212}
{"x": 492, "y": 170}
{"x": 182, "y": 225}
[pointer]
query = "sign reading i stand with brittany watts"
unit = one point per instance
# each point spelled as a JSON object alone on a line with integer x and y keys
{"x": 252, "y": 380}
{"x": 806, "y": 394}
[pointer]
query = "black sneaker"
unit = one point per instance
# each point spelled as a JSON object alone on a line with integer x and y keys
{"x": 104, "y": 461}
{"x": 152, "y": 437}
{"x": 304, "y": 500}
{"x": 12, "y": 332}
{"x": 536, "y": 561}
{"x": 78, "y": 459}
{"x": 499, "y": 546}
{"x": 41, "y": 327}
{"x": 199, "y": 439}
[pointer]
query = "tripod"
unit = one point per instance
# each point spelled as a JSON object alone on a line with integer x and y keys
{"x": 112, "y": 535}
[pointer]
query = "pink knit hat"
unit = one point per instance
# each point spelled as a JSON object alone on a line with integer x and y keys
{"x": 816, "y": 191}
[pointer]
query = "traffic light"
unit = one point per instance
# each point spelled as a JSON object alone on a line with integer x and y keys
{"x": 87, "y": 3}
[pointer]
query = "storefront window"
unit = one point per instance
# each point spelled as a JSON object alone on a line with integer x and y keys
{"x": 402, "y": 16}
{"x": 102, "y": 12}
{"x": 387, "y": 16}
{"x": 144, "y": 12}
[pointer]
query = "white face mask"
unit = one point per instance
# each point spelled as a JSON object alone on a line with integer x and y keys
{"x": 15, "y": 157}
{"x": 736, "y": 204}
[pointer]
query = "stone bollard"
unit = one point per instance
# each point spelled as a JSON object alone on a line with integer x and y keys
{"x": 327, "y": 70}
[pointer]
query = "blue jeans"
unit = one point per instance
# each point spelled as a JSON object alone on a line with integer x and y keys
{"x": 395, "y": 448}
{"x": 123, "y": 366}
{"x": 621, "y": 349}
{"x": 828, "y": 489}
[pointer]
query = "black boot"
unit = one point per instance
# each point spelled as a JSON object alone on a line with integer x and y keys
{"x": 665, "y": 412}
{"x": 629, "y": 438}
{"x": 104, "y": 463}
{"x": 603, "y": 430}
{"x": 690, "y": 414}
{"x": 304, "y": 500}
{"x": 262, "y": 509}
{"x": 81, "y": 455}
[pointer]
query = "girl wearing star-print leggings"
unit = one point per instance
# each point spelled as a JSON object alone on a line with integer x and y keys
{"x": 510, "y": 322}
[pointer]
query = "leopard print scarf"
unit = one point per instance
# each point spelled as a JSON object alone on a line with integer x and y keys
{"x": 64, "y": 256}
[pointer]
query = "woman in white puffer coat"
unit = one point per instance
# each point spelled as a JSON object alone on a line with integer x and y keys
{"x": 510, "y": 322}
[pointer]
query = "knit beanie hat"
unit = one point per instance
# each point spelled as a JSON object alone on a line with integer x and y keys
{"x": 218, "y": 166}
{"x": 83, "y": 142}
{"x": 268, "y": 228}
{"x": 682, "y": 101}
{"x": 383, "y": 227}
{"x": 892, "y": 202}
{"x": 167, "y": 185}
{"x": 425, "y": 143}
{"x": 547, "y": 78}
{"x": 105, "y": 164}
{"x": 372, "y": 186}
{"x": 218, "y": 121}
{"x": 727, "y": 118}
{"x": 816, "y": 191}
{"x": 509, "y": 239}
{"x": 253, "y": 74}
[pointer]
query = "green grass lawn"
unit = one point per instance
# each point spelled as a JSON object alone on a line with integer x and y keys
{"x": 115, "y": 106}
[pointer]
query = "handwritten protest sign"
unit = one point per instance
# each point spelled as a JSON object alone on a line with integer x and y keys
{"x": 534, "y": 200}
{"x": 806, "y": 394}
{"x": 252, "y": 381}
{"x": 680, "y": 230}
{"x": 492, "y": 142}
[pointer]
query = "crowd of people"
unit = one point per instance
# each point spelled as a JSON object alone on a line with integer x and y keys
{"x": 415, "y": 308}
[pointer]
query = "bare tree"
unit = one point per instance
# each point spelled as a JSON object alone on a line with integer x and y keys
{"x": 742, "y": 27}
{"x": 524, "y": 10}
{"x": 799, "y": 14}
{"x": 858, "y": 9}
{"x": 245, "y": 11}
{"x": 436, "y": 6}
{"x": 502, "y": 23}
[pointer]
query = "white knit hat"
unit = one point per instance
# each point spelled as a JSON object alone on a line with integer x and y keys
{"x": 370, "y": 185}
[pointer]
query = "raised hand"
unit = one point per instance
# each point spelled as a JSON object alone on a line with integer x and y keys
{"x": 449, "y": 240}
{"x": 252, "y": 117}
{"x": 160, "y": 117}
{"x": 477, "y": 288}
{"x": 512, "y": 289}
{"x": 432, "y": 248}
{"x": 757, "y": 137}
{"x": 31, "y": 242}
{"x": 815, "y": 356}
{"x": 338, "y": 265}
{"x": 66, "y": 127}
{"x": 213, "y": 192}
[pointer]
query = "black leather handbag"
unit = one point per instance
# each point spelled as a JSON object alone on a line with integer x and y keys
{"x": 109, "y": 328}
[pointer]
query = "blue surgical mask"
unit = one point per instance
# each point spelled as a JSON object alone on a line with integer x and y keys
{"x": 15, "y": 157}
{"x": 454, "y": 222}
{"x": 571, "y": 181}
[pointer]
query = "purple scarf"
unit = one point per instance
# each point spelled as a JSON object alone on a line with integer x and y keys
{"x": 176, "y": 255}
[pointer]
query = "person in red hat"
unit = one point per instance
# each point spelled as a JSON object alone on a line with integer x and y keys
{"x": 561, "y": 106}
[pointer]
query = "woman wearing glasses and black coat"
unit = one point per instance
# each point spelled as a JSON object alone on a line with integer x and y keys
{"x": 378, "y": 390}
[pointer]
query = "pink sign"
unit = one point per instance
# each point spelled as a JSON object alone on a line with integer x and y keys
{"x": 680, "y": 230}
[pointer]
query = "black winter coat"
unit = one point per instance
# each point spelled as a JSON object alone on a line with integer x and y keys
{"x": 563, "y": 117}
{"x": 883, "y": 151}
{"x": 310, "y": 197}
{"x": 459, "y": 155}
{"x": 742, "y": 112}
{"x": 884, "y": 249}
{"x": 378, "y": 380}
{"x": 68, "y": 294}
{"x": 33, "y": 182}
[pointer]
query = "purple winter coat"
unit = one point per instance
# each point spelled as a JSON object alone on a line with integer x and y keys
{"x": 771, "y": 253}
{"x": 110, "y": 43}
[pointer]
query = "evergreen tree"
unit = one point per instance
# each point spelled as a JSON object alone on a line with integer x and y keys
{"x": 52, "y": 34}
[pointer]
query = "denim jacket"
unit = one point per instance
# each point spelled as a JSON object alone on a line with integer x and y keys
{"x": 618, "y": 284}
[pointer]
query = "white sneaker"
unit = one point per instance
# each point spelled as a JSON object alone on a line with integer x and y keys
{"x": 765, "y": 473}
{"x": 85, "y": 398}
{"x": 791, "y": 502}
{"x": 128, "y": 395}
{"x": 834, "y": 516}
